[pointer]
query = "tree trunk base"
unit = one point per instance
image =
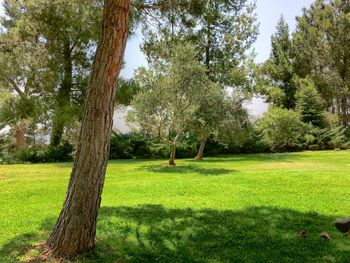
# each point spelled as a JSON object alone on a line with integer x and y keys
{"x": 201, "y": 150}
{"x": 43, "y": 254}
{"x": 172, "y": 163}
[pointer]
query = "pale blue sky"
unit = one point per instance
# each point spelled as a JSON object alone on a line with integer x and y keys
{"x": 269, "y": 11}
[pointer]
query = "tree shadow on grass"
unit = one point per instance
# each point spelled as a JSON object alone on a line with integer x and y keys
{"x": 16, "y": 249}
{"x": 263, "y": 157}
{"x": 181, "y": 169}
{"x": 153, "y": 233}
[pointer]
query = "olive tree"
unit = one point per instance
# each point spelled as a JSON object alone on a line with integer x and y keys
{"x": 171, "y": 96}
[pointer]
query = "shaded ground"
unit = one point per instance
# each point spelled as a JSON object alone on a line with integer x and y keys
{"x": 152, "y": 233}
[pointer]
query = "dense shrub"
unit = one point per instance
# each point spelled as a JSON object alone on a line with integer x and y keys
{"x": 186, "y": 149}
{"x": 59, "y": 153}
{"x": 31, "y": 155}
{"x": 43, "y": 154}
{"x": 136, "y": 145}
{"x": 326, "y": 138}
{"x": 282, "y": 130}
{"x": 275, "y": 132}
{"x": 120, "y": 147}
{"x": 254, "y": 143}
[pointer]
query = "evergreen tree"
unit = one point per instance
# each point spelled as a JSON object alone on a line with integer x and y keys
{"x": 68, "y": 32}
{"x": 279, "y": 70}
{"x": 322, "y": 43}
{"x": 309, "y": 104}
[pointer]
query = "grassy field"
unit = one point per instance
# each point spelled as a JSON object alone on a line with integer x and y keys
{"x": 244, "y": 208}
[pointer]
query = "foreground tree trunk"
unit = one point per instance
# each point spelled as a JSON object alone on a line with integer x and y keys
{"x": 173, "y": 151}
{"x": 20, "y": 137}
{"x": 201, "y": 149}
{"x": 75, "y": 229}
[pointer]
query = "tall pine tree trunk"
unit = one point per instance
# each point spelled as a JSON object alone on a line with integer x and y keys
{"x": 75, "y": 229}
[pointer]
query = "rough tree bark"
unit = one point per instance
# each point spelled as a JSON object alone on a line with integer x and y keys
{"x": 20, "y": 137}
{"x": 75, "y": 229}
{"x": 173, "y": 151}
{"x": 201, "y": 148}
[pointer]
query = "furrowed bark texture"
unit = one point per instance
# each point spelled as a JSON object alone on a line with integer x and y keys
{"x": 75, "y": 229}
{"x": 201, "y": 149}
{"x": 21, "y": 138}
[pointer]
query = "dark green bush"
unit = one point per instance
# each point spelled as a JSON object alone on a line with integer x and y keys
{"x": 254, "y": 143}
{"x": 59, "y": 153}
{"x": 136, "y": 145}
{"x": 31, "y": 155}
{"x": 133, "y": 145}
{"x": 120, "y": 147}
{"x": 50, "y": 154}
{"x": 282, "y": 130}
{"x": 327, "y": 138}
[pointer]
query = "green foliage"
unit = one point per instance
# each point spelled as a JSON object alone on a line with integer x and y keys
{"x": 59, "y": 153}
{"x": 327, "y": 138}
{"x": 141, "y": 146}
{"x": 31, "y": 155}
{"x": 222, "y": 31}
{"x": 19, "y": 109}
{"x": 309, "y": 104}
{"x": 277, "y": 74}
{"x": 47, "y": 53}
{"x": 137, "y": 145}
{"x": 235, "y": 120}
{"x": 40, "y": 154}
{"x": 322, "y": 52}
{"x": 282, "y": 129}
{"x": 129, "y": 146}
{"x": 126, "y": 91}
{"x": 170, "y": 94}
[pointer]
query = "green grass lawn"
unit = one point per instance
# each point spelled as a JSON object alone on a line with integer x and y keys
{"x": 244, "y": 208}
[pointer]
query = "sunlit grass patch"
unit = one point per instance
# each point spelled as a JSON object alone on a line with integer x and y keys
{"x": 245, "y": 208}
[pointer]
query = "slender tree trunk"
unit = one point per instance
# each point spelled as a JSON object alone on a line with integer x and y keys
{"x": 201, "y": 148}
{"x": 20, "y": 138}
{"x": 173, "y": 151}
{"x": 75, "y": 229}
{"x": 344, "y": 109}
{"x": 63, "y": 98}
{"x": 57, "y": 131}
